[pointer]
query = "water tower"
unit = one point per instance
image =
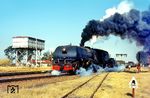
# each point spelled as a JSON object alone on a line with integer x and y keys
{"x": 27, "y": 49}
{"x": 121, "y": 58}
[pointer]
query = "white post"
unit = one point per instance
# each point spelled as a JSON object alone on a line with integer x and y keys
{"x": 16, "y": 57}
{"x": 40, "y": 58}
{"x": 26, "y": 57}
{"x": 36, "y": 52}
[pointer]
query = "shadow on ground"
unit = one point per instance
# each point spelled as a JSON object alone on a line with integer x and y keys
{"x": 129, "y": 94}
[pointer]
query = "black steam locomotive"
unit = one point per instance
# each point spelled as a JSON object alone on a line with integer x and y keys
{"x": 70, "y": 58}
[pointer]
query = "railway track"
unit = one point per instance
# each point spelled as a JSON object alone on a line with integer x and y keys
{"x": 99, "y": 85}
{"x": 92, "y": 95}
{"x": 27, "y": 77}
{"x": 23, "y": 73}
{"x": 34, "y": 81}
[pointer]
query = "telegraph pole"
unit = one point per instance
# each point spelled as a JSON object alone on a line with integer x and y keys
{"x": 16, "y": 57}
{"x": 36, "y": 53}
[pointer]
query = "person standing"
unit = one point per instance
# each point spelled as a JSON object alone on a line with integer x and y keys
{"x": 138, "y": 67}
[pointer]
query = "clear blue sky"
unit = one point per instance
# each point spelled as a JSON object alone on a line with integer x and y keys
{"x": 59, "y": 22}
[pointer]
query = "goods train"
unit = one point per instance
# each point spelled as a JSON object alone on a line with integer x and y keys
{"x": 70, "y": 58}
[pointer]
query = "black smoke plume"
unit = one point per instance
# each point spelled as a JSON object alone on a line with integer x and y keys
{"x": 134, "y": 25}
{"x": 142, "y": 57}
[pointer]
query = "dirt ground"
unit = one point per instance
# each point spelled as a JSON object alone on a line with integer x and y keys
{"x": 116, "y": 85}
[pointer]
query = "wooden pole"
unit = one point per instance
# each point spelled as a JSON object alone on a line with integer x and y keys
{"x": 133, "y": 93}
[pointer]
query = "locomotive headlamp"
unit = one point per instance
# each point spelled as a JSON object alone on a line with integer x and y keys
{"x": 64, "y": 50}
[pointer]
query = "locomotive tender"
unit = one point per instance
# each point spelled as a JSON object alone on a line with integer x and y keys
{"x": 69, "y": 58}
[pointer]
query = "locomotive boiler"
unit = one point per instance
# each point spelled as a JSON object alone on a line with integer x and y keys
{"x": 70, "y": 58}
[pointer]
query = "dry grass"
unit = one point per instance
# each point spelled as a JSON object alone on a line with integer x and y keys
{"x": 4, "y": 62}
{"x": 87, "y": 90}
{"x": 23, "y": 69}
{"x": 55, "y": 90}
{"x": 116, "y": 85}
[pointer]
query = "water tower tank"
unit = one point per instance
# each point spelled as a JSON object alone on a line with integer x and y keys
{"x": 28, "y": 43}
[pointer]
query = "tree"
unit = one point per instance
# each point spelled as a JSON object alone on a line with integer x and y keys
{"x": 9, "y": 52}
{"x": 47, "y": 56}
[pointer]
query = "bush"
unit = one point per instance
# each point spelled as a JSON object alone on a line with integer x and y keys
{"x": 5, "y": 62}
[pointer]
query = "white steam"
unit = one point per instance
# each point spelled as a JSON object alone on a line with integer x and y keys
{"x": 55, "y": 72}
{"x": 84, "y": 72}
{"x": 93, "y": 39}
{"x": 92, "y": 68}
{"x": 96, "y": 68}
{"x": 123, "y": 7}
{"x": 96, "y": 39}
{"x": 118, "y": 68}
